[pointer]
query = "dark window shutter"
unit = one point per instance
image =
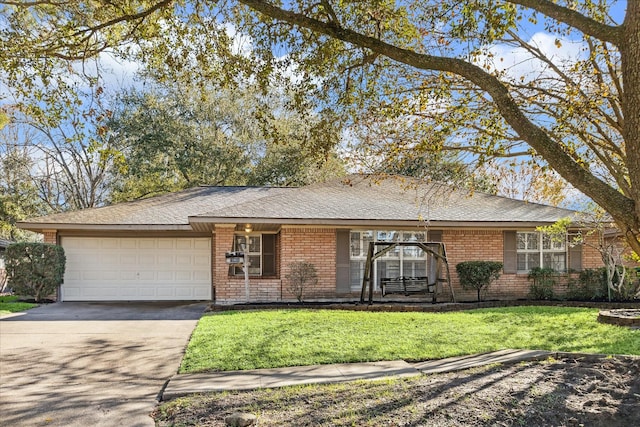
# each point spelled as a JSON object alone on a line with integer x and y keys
{"x": 343, "y": 261}
{"x": 575, "y": 258}
{"x": 510, "y": 255}
{"x": 268, "y": 254}
{"x": 435, "y": 236}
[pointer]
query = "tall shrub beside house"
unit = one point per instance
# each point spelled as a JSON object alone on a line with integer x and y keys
{"x": 302, "y": 276}
{"x": 543, "y": 281}
{"x": 34, "y": 269}
{"x": 478, "y": 275}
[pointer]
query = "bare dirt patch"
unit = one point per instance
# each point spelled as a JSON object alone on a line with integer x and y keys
{"x": 565, "y": 392}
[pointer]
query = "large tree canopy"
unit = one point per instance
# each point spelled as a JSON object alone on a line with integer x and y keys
{"x": 557, "y": 80}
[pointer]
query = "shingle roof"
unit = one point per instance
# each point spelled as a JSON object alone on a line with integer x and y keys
{"x": 392, "y": 198}
{"x": 167, "y": 209}
{"x": 348, "y": 200}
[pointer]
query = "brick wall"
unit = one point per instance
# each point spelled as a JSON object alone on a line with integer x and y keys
{"x": 487, "y": 245}
{"x": 316, "y": 245}
{"x": 50, "y": 236}
{"x": 222, "y": 242}
{"x": 480, "y": 245}
{"x": 591, "y": 257}
{"x": 313, "y": 244}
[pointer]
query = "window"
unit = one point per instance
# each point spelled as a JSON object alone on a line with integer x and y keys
{"x": 254, "y": 247}
{"x": 262, "y": 254}
{"x": 536, "y": 249}
{"x": 400, "y": 261}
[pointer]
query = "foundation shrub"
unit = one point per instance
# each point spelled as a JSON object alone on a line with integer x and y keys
{"x": 543, "y": 280}
{"x": 591, "y": 284}
{"x": 302, "y": 277}
{"x": 478, "y": 275}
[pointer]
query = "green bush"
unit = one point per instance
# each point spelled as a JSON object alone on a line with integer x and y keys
{"x": 478, "y": 274}
{"x": 544, "y": 281}
{"x": 34, "y": 269}
{"x": 592, "y": 285}
{"x": 630, "y": 286}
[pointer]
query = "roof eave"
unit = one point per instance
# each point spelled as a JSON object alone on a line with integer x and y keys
{"x": 342, "y": 222}
{"x": 40, "y": 227}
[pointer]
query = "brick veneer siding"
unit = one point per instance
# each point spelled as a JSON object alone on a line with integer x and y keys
{"x": 313, "y": 244}
{"x": 591, "y": 257}
{"x": 484, "y": 245}
{"x": 226, "y": 289}
{"x": 230, "y": 289}
{"x": 50, "y": 236}
{"x": 316, "y": 245}
{"x": 488, "y": 245}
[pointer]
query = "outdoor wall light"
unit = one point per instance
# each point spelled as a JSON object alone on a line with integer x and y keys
{"x": 248, "y": 228}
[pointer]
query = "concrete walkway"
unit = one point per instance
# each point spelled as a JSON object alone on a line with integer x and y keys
{"x": 183, "y": 384}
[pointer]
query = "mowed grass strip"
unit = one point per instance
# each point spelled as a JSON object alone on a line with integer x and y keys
{"x": 238, "y": 340}
{"x": 10, "y": 304}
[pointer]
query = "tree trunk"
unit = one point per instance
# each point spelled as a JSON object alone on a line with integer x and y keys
{"x": 630, "y": 56}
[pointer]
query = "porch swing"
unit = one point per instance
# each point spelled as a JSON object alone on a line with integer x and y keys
{"x": 437, "y": 256}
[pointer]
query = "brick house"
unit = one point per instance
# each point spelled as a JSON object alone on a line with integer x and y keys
{"x": 173, "y": 247}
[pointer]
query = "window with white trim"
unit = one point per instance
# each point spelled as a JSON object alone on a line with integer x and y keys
{"x": 535, "y": 249}
{"x": 254, "y": 247}
{"x": 262, "y": 254}
{"x": 401, "y": 261}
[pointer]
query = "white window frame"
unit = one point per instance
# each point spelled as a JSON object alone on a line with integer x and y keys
{"x": 539, "y": 245}
{"x": 399, "y": 254}
{"x": 237, "y": 270}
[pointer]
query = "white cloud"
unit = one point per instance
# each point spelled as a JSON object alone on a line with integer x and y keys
{"x": 519, "y": 64}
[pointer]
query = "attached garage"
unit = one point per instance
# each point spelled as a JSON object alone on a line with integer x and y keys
{"x": 136, "y": 269}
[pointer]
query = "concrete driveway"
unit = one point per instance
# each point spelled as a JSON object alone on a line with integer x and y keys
{"x": 90, "y": 364}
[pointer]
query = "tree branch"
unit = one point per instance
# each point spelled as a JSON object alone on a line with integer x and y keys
{"x": 574, "y": 19}
{"x": 620, "y": 206}
{"x": 125, "y": 17}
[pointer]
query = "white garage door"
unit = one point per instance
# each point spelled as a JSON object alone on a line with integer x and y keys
{"x": 136, "y": 269}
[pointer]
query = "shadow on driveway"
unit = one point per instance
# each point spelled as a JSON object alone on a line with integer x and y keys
{"x": 79, "y": 364}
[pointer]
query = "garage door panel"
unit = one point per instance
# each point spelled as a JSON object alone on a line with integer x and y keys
{"x": 200, "y": 260}
{"x": 110, "y": 259}
{"x": 184, "y": 292}
{"x": 201, "y": 244}
{"x": 200, "y": 275}
{"x": 147, "y": 276}
{"x": 183, "y": 276}
{"x": 110, "y": 244}
{"x": 144, "y": 259}
{"x": 127, "y": 275}
{"x": 165, "y": 276}
{"x": 128, "y": 243}
{"x": 137, "y": 269}
{"x": 184, "y": 259}
{"x": 147, "y": 243}
{"x": 165, "y": 260}
{"x": 184, "y": 244}
{"x": 166, "y": 243}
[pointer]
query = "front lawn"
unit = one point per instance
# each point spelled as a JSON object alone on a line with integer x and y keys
{"x": 10, "y": 304}
{"x": 264, "y": 339}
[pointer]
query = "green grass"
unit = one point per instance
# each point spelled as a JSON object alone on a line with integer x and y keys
{"x": 10, "y": 304}
{"x": 264, "y": 339}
